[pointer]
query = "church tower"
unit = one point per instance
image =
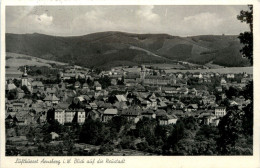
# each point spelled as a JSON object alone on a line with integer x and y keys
{"x": 25, "y": 77}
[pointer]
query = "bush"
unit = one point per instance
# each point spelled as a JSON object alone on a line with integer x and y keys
{"x": 142, "y": 146}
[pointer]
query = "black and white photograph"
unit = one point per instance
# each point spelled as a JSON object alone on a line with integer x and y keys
{"x": 128, "y": 80}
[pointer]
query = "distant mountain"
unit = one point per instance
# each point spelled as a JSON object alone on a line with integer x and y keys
{"x": 108, "y": 49}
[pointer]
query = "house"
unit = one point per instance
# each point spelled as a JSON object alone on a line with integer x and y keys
{"x": 162, "y": 105}
{"x": 178, "y": 106}
{"x": 85, "y": 86}
{"x": 93, "y": 106}
{"x": 59, "y": 115}
{"x": 193, "y": 91}
{"x": 178, "y": 113}
{"x": 233, "y": 103}
{"x": 81, "y": 116}
{"x": 54, "y": 135}
{"x": 183, "y": 90}
{"x": 19, "y": 119}
{"x": 230, "y": 76}
{"x": 97, "y": 85}
{"x": 18, "y": 105}
{"x": 223, "y": 82}
{"x": 37, "y": 85}
{"x": 197, "y": 75}
{"x": 192, "y": 107}
{"x": 69, "y": 95}
{"x": 120, "y": 105}
{"x": 121, "y": 98}
{"x": 20, "y": 93}
{"x": 206, "y": 80}
{"x": 109, "y": 114}
{"x": 145, "y": 103}
{"x": 94, "y": 114}
{"x": 167, "y": 119}
{"x": 219, "y": 89}
{"x": 208, "y": 118}
{"x": 132, "y": 114}
{"x": 77, "y": 84}
{"x": 50, "y": 90}
{"x": 51, "y": 99}
{"x": 69, "y": 115}
{"x": 29, "y": 118}
{"x": 114, "y": 82}
{"x": 220, "y": 111}
{"x": 240, "y": 101}
{"x": 180, "y": 75}
{"x": 152, "y": 99}
{"x": 149, "y": 114}
{"x": 10, "y": 86}
{"x": 169, "y": 90}
{"x": 9, "y": 119}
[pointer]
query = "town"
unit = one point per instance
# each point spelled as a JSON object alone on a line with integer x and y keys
{"x": 122, "y": 108}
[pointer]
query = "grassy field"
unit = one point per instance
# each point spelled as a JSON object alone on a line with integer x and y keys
{"x": 248, "y": 70}
{"x": 168, "y": 66}
{"x": 14, "y": 61}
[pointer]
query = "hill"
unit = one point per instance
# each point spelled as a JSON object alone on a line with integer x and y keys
{"x": 106, "y": 49}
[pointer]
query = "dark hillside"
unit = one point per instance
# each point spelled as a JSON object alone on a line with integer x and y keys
{"x": 111, "y": 48}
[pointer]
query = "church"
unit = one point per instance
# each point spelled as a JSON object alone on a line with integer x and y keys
{"x": 25, "y": 81}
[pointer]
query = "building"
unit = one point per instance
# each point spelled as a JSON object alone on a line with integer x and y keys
{"x": 25, "y": 81}
{"x": 149, "y": 114}
{"x": 81, "y": 116}
{"x": 167, "y": 119}
{"x": 223, "y": 82}
{"x": 109, "y": 114}
{"x": 97, "y": 85}
{"x": 51, "y": 99}
{"x": 20, "y": 93}
{"x": 59, "y": 115}
{"x": 220, "y": 111}
{"x": 69, "y": 115}
{"x": 132, "y": 114}
{"x": 192, "y": 107}
{"x": 230, "y": 76}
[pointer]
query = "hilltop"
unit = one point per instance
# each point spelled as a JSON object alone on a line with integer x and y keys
{"x": 106, "y": 49}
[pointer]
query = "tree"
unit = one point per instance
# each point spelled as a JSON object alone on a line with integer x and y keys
{"x": 117, "y": 122}
{"x": 12, "y": 94}
{"x": 17, "y": 82}
{"x": 105, "y": 81}
{"x": 230, "y": 129}
{"x": 93, "y": 132}
{"x": 121, "y": 82}
{"x": 145, "y": 127}
{"x": 25, "y": 89}
{"x": 177, "y": 134}
{"x": 232, "y": 91}
{"x": 246, "y": 38}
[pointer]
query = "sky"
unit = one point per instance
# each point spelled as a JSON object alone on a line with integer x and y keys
{"x": 169, "y": 19}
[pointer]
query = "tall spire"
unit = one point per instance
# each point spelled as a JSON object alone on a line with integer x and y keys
{"x": 25, "y": 72}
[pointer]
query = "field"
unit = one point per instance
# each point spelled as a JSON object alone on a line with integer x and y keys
{"x": 14, "y": 61}
{"x": 235, "y": 70}
{"x": 168, "y": 66}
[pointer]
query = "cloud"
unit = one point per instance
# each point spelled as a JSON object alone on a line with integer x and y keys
{"x": 25, "y": 20}
{"x": 43, "y": 19}
{"x": 79, "y": 20}
{"x": 92, "y": 21}
{"x": 205, "y": 20}
{"x": 146, "y": 13}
